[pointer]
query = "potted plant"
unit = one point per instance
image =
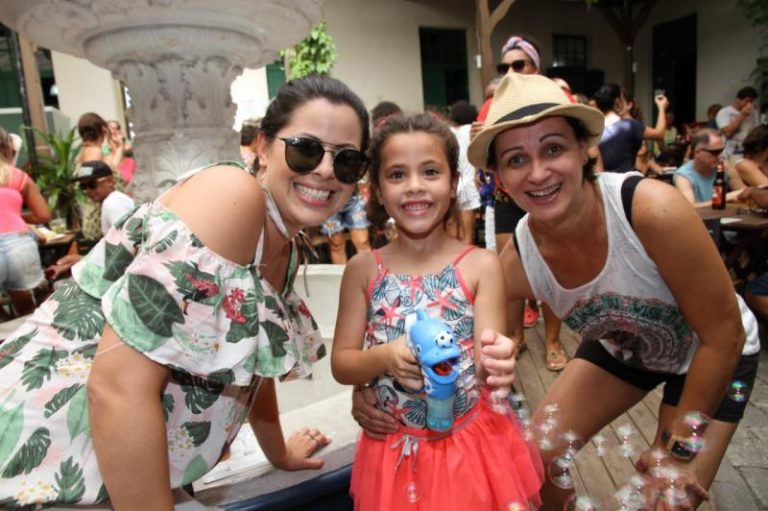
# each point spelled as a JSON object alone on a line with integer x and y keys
{"x": 54, "y": 174}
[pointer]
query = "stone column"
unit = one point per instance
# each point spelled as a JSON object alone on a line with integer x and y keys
{"x": 181, "y": 106}
{"x": 178, "y": 59}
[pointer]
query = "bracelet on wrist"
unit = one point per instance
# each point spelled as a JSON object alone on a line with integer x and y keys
{"x": 679, "y": 447}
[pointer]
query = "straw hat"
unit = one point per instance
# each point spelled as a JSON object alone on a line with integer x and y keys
{"x": 523, "y": 99}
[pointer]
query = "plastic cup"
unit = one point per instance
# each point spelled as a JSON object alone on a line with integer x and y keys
{"x": 58, "y": 225}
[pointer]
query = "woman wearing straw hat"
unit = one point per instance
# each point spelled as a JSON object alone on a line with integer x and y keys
{"x": 519, "y": 55}
{"x": 628, "y": 264}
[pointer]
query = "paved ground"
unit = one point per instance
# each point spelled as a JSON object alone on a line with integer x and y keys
{"x": 740, "y": 485}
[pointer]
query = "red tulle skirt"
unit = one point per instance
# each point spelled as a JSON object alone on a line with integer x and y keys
{"x": 483, "y": 464}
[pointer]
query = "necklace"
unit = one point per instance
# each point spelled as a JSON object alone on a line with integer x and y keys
{"x": 274, "y": 214}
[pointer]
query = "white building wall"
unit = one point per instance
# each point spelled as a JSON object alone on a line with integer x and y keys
{"x": 539, "y": 19}
{"x": 84, "y": 87}
{"x": 727, "y": 51}
{"x": 251, "y": 95}
{"x": 379, "y": 58}
{"x": 378, "y": 46}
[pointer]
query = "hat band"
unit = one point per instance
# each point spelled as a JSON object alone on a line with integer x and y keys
{"x": 526, "y": 111}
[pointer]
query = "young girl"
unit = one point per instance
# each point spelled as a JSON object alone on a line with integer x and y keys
{"x": 482, "y": 462}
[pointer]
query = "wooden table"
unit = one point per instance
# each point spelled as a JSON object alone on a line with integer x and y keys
{"x": 736, "y": 216}
{"x": 53, "y": 250}
{"x": 746, "y": 255}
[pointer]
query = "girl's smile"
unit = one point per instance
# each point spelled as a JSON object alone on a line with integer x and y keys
{"x": 415, "y": 183}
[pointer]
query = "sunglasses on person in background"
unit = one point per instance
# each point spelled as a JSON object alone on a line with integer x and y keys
{"x": 90, "y": 185}
{"x": 713, "y": 152}
{"x": 303, "y": 155}
{"x": 516, "y": 65}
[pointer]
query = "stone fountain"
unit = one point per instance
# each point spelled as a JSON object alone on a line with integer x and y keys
{"x": 177, "y": 58}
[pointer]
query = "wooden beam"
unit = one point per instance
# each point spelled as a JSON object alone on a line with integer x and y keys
{"x": 642, "y": 17}
{"x": 34, "y": 88}
{"x": 499, "y": 12}
{"x": 615, "y": 23}
{"x": 622, "y": 19}
{"x": 485, "y": 22}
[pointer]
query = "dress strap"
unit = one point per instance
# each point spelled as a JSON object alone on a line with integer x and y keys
{"x": 259, "y": 249}
{"x": 379, "y": 261}
{"x": 461, "y": 255}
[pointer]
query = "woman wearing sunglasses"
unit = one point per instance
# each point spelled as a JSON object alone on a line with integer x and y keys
{"x": 132, "y": 380}
{"x": 627, "y": 263}
{"x": 520, "y": 55}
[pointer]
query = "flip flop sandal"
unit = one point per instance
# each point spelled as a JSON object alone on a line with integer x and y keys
{"x": 521, "y": 348}
{"x": 530, "y": 317}
{"x": 556, "y": 360}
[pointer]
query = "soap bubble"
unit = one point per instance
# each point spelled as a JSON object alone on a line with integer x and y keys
{"x": 581, "y": 503}
{"x": 658, "y": 458}
{"x": 738, "y": 391}
{"x": 573, "y": 444}
{"x": 546, "y": 434}
{"x": 412, "y": 492}
{"x": 559, "y": 471}
{"x": 637, "y": 482}
{"x": 627, "y": 440}
{"x": 499, "y": 402}
{"x": 599, "y": 441}
{"x": 627, "y": 498}
{"x": 517, "y": 402}
{"x": 697, "y": 422}
{"x": 675, "y": 497}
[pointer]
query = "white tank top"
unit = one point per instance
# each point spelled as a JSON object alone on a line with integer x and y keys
{"x": 627, "y": 306}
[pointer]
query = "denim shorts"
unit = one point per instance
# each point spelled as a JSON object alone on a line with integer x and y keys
{"x": 759, "y": 286}
{"x": 351, "y": 216}
{"x": 20, "y": 267}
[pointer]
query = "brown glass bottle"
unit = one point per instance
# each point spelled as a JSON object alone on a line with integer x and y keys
{"x": 718, "y": 188}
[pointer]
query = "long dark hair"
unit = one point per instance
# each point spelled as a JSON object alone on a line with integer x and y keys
{"x": 606, "y": 97}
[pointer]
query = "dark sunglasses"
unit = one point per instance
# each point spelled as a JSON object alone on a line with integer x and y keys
{"x": 516, "y": 65}
{"x": 713, "y": 152}
{"x": 90, "y": 185}
{"x": 303, "y": 155}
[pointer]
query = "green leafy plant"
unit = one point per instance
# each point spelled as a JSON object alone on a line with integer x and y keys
{"x": 54, "y": 173}
{"x": 316, "y": 54}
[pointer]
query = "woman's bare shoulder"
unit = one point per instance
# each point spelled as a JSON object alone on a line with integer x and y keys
{"x": 224, "y": 207}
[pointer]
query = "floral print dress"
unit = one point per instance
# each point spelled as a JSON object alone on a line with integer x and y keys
{"x": 215, "y": 324}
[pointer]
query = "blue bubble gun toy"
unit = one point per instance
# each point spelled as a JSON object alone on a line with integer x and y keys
{"x": 438, "y": 354}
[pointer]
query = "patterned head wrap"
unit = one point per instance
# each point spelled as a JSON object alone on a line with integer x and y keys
{"x": 517, "y": 42}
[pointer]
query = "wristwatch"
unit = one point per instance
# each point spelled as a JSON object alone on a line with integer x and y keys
{"x": 678, "y": 446}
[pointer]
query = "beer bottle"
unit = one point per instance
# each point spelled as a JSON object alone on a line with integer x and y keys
{"x": 718, "y": 188}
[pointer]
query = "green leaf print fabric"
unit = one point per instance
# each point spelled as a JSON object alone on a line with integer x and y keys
{"x": 215, "y": 324}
